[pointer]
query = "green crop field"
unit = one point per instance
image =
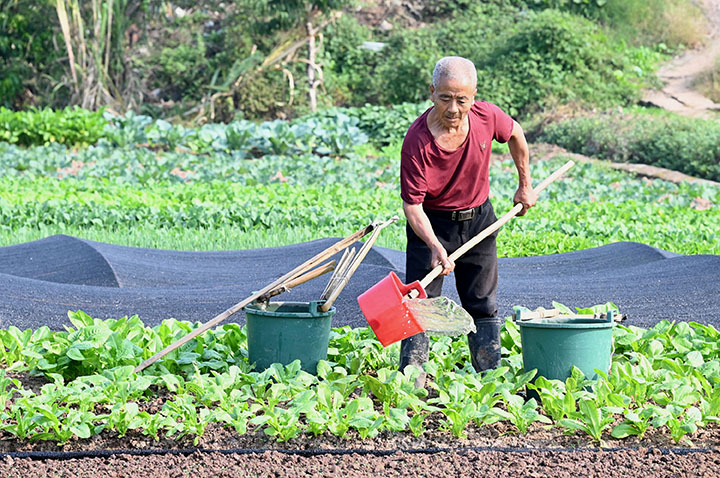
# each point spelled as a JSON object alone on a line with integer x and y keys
{"x": 150, "y": 184}
{"x": 663, "y": 377}
{"x": 221, "y": 196}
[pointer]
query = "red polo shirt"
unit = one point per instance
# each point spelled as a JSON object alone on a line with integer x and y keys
{"x": 452, "y": 180}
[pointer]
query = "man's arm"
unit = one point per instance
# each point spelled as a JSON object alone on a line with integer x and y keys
{"x": 419, "y": 222}
{"x": 521, "y": 155}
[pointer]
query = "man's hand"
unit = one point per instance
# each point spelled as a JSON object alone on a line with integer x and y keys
{"x": 525, "y": 196}
{"x": 440, "y": 257}
{"x": 521, "y": 156}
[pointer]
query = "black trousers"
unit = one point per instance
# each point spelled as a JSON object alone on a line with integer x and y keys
{"x": 475, "y": 279}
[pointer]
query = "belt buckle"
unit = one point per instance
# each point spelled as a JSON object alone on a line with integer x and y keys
{"x": 463, "y": 215}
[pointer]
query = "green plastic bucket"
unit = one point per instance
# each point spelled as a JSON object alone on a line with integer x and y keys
{"x": 281, "y": 332}
{"x": 553, "y": 346}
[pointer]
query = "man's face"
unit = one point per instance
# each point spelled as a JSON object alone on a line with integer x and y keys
{"x": 452, "y": 99}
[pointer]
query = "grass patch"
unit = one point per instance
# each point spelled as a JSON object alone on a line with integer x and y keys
{"x": 182, "y": 239}
{"x": 674, "y": 23}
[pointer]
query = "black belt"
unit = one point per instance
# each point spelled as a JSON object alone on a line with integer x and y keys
{"x": 460, "y": 215}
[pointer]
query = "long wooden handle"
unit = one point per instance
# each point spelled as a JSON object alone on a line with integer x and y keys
{"x": 302, "y": 268}
{"x": 317, "y": 272}
{"x": 203, "y": 328}
{"x": 522, "y": 315}
{"x": 340, "y": 269}
{"x": 494, "y": 226}
{"x": 355, "y": 263}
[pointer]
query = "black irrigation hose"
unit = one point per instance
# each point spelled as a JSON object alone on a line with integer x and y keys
{"x": 69, "y": 455}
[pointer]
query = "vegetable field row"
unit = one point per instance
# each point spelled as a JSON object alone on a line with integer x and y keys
{"x": 664, "y": 377}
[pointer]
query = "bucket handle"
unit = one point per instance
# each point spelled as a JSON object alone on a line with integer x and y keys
{"x": 414, "y": 290}
{"x": 520, "y": 315}
{"x": 314, "y": 308}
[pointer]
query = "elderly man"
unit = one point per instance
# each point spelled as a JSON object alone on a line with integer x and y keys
{"x": 445, "y": 191}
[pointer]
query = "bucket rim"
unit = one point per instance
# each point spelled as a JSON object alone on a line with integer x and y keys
{"x": 567, "y": 323}
{"x": 312, "y": 310}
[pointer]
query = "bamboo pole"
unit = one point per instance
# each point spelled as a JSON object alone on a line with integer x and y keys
{"x": 65, "y": 27}
{"x": 355, "y": 263}
{"x": 302, "y": 268}
{"x": 345, "y": 261}
{"x": 323, "y": 269}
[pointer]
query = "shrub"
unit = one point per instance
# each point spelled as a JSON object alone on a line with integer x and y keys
{"x": 26, "y": 50}
{"x": 526, "y": 60}
{"x": 691, "y": 146}
{"x": 407, "y": 71}
{"x": 182, "y": 69}
{"x": 554, "y": 57}
{"x": 401, "y": 72}
{"x": 350, "y": 76}
{"x": 265, "y": 96}
{"x": 70, "y": 126}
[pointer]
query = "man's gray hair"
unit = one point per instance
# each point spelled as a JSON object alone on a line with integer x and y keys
{"x": 454, "y": 67}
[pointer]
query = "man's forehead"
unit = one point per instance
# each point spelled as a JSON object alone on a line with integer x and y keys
{"x": 454, "y": 87}
{"x": 455, "y": 92}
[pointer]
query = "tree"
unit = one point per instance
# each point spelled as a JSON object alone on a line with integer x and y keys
{"x": 95, "y": 35}
{"x": 313, "y": 14}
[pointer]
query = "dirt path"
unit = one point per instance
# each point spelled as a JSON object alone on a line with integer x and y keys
{"x": 678, "y": 75}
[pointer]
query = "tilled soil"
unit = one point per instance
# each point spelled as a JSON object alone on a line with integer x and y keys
{"x": 491, "y": 450}
{"x": 638, "y": 463}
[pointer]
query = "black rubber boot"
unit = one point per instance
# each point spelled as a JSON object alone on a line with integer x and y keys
{"x": 485, "y": 344}
{"x": 415, "y": 350}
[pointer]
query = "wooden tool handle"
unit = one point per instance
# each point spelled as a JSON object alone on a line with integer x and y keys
{"x": 519, "y": 315}
{"x": 317, "y": 272}
{"x": 203, "y": 328}
{"x": 298, "y": 271}
{"x": 494, "y": 226}
{"x": 355, "y": 263}
{"x": 344, "y": 260}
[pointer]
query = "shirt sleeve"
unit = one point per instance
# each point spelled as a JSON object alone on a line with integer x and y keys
{"x": 503, "y": 124}
{"x": 412, "y": 174}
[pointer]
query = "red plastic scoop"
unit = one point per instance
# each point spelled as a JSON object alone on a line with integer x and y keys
{"x": 384, "y": 305}
{"x": 385, "y": 301}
